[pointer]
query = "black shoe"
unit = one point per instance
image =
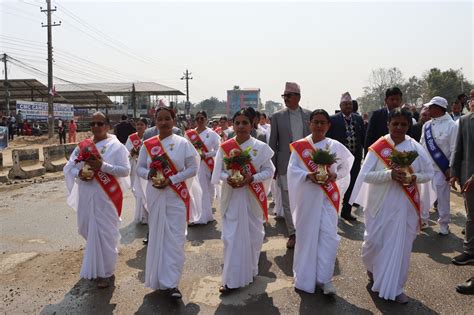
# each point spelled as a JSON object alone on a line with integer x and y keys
{"x": 348, "y": 217}
{"x": 290, "y": 244}
{"x": 463, "y": 259}
{"x": 467, "y": 287}
{"x": 175, "y": 293}
{"x": 463, "y": 231}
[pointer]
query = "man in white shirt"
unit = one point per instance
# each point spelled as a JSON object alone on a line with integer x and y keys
{"x": 439, "y": 139}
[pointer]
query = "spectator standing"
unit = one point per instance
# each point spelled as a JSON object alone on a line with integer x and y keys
{"x": 72, "y": 131}
{"x": 19, "y": 123}
{"x": 61, "y": 131}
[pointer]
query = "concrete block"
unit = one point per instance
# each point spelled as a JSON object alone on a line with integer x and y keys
{"x": 54, "y": 158}
{"x": 68, "y": 149}
{"x": 26, "y": 164}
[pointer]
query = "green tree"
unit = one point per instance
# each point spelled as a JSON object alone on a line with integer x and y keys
{"x": 444, "y": 83}
{"x": 211, "y": 106}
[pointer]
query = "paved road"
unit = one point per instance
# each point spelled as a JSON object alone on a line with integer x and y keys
{"x": 41, "y": 255}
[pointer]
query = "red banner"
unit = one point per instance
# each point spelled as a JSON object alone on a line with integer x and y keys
{"x": 305, "y": 151}
{"x": 108, "y": 182}
{"x": 383, "y": 149}
{"x": 195, "y": 139}
{"x": 154, "y": 147}
{"x": 136, "y": 141}
{"x": 257, "y": 188}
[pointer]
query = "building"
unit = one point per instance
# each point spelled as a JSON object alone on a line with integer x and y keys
{"x": 239, "y": 98}
{"x": 271, "y": 107}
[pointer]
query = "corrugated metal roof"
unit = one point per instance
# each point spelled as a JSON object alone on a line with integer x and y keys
{"x": 121, "y": 88}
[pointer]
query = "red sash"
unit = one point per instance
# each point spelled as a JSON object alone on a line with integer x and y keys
{"x": 305, "y": 150}
{"x": 221, "y": 133}
{"x": 383, "y": 149}
{"x": 154, "y": 147}
{"x": 108, "y": 182}
{"x": 136, "y": 141}
{"x": 194, "y": 137}
{"x": 257, "y": 188}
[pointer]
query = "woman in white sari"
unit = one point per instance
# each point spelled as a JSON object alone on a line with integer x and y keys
{"x": 98, "y": 207}
{"x": 202, "y": 213}
{"x": 242, "y": 213}
{"x": 167, "y": 202}
{"x": 315, "y": 206}
{"x": 391, "y": 215}
{"x": 133, "y": 144}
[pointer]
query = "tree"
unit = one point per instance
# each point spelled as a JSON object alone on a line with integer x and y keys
{"x": 447, "y": 84}
{"x": 412, "y": 90}
{"x": 379, "y": 81}
{"x": 212, "y": 106}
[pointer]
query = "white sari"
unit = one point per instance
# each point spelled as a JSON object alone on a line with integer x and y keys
{"x": 391, "y": 221}
{"x": 315, "y": 217}
{"x": 204, "y": 197}
{"x": 97, "y": 218}
{"x": 167, "y": 215}
{"x": 138, "y": 186}
{"x": 242, "y": 217}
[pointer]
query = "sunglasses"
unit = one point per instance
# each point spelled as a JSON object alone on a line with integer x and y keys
{"x": 288, "y": 95}
{"x": 96, "y": 123}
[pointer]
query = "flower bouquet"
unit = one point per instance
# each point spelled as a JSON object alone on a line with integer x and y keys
{"x": 403, "y": 160}
{"x": 199, "y": 147}
{"x": 134, "y": 153}
{"x": 84, "y": 156}
{"x": 157, "y": 165}
{"x": 323, "y": 159}
{"x": 235, "y": 163}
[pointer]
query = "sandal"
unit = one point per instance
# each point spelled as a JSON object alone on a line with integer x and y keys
{"x": 175, "y": 293}
{"x": 103, "y": 283}
{"x": 223, "y": 289}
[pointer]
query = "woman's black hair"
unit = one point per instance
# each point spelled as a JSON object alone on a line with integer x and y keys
{"x": 320, "y": 112}
{"x": 245, "y": 112}
{"x": 144, "y": 120}
{"x": 201, "y": 112}
{"x": 169, "y": 110}
{"x": 106, "y": 118}
{"x": 400, "y": 112}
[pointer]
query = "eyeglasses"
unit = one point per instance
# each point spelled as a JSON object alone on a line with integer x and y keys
{"x": 96, "y": 123}
{"x": 287, "y": 95}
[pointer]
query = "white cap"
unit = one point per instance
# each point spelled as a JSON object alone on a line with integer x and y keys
{"x": 438, "y": 100}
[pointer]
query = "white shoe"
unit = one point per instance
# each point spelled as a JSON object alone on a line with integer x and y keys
{"x": 329, "y": 289}
{"x": 444, "y": 230}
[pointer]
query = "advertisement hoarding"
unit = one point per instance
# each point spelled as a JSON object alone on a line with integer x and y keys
{"x": 39, "y": 110}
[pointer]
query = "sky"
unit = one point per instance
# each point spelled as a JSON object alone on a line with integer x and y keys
{"x": 326, "y": 47}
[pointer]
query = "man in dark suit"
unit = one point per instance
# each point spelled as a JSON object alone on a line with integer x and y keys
{"x": 288, "y": 125}
{"x": 348, "y": 128}
{"x": 123, "y": 129}
{"x": 378, "y": 120}
{"x": 462, "y": 172}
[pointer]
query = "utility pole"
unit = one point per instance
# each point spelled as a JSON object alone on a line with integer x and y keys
{"x": 50, "y": 66}
{"x": 187, "y": 78}
{"x": 6, "y": 84}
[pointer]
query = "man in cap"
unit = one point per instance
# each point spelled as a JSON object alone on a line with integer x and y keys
{"x": 348, "y": 128}
{"x": 288, "y": 125}
{"x": 438, "y": 137}
{"x": 378, "y": 120}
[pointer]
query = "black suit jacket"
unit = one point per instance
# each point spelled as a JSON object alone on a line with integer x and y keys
{"x": 377, "y": 126}
{"x": 338, "y": 132}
